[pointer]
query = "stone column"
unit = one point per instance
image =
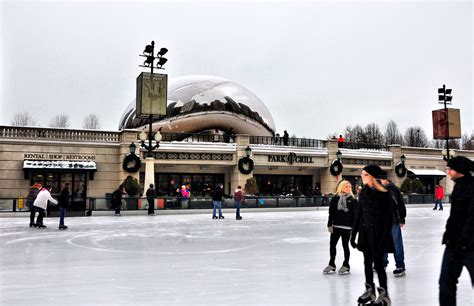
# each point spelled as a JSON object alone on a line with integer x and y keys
{"x": 238, "y": 178}
{"x": 149, "y": 173}
{"x": 127, "y": 137}
{"x": 396, "y": 154}
{"x": 328, "y": 181}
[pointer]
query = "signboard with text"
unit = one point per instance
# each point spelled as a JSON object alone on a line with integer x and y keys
{"x": 152, "y": 94}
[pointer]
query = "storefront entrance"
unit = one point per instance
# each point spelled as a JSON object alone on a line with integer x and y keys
{"x": 77, "y": 187}
{"x": 199, "y": 184}
{"x": 284, "y": 184}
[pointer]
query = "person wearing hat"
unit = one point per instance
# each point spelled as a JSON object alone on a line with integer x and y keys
{"x": 399, "y": 213}
{"x": 459, "y": 234}
{"x": 372, "y": 226}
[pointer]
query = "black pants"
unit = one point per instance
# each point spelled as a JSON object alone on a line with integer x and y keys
{"x": 32, "y": 214}
{"x": 372, "y": 261}
{"x": 451, "y": 269}
{"x": 151, "y": 206}
{"x": 336, "y": 234}
{"x": 39, "y": 220}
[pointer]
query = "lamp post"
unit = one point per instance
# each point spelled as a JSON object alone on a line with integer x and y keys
{"x": 149, "y": 54}
{"x": 445, "y": 97}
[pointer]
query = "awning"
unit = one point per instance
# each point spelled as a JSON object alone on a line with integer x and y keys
{"x": 426, "y": 172}
{"x": 59, "y": 165}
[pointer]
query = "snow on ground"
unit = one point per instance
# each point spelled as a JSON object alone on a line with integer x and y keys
{"x": 268, "y": 258}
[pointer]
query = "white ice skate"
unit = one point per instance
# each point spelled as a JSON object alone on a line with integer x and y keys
{"x": 329, "y": 270}
{"x": 344, "y": 270}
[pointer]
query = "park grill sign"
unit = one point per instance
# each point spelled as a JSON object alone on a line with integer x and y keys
{"x": 290, "y": 158}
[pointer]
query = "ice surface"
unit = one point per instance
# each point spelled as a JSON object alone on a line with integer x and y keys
{"x": 268, "y": 258}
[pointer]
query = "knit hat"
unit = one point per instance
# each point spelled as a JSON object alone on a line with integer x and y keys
{"x": 375, "y": 171}
{"x": 383, "y": 175}
{"x": 461, "y": 165}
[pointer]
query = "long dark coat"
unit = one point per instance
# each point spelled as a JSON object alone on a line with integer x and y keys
{"x": 373, "y": 222}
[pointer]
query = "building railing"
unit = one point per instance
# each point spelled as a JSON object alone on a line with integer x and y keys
{"x": 360, "y": 145}
{"x": 38, "y": 133}
{"x": 279, "y": 141}
{"x": 190, "y": 137}
{"x": 133, "y": 203}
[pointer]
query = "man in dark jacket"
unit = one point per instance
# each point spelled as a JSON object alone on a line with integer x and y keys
{"x": 459, "y": 234}
{"x": 217, "y": 196}
{"x": 399, "y": 213}
{"x": 63, "y": 203}
{"x": 150, "y": 197}
{"x": 30, "y": 199}
{"x": 117, "y": 199}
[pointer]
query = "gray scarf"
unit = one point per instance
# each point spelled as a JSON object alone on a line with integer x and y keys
{"x": 342, "y": 204}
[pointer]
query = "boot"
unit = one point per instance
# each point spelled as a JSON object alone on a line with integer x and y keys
{"x": 62, "y": 227}
{"x": 329, "y": 269}
{"x": 383, "y": 298}
{"x": 238, "y": 218}
{"x": 368, "y": 296}
{"x": 40, "y": 225}
{"x": 214, "y": 217}
{"x": 32, "y": 225}
{"x": 221, "y": 217}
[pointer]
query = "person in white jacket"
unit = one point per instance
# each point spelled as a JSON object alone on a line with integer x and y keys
{"x": 41, "y": 203}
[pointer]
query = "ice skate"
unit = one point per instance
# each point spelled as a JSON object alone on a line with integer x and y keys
{"x": 238, "y": 218}
{"x": 221, "y": 217}
{"x": 383, "y": 298}
{"x": 32, "y": 225}
{"x": 40, "y": 226}
{"x": 344, "y": 270}
{"x": 368, "y": 297}
{"x": 214, "y": 217}
{"x": 329, "y": 269}
{"x": 118, "y": 215}
{"x": 62, "y": 227}
{"x": 399, "y": 272}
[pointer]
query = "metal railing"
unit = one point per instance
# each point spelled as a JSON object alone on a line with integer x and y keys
{"x": 279, "y": 141}
{"x": 190, "y": 137}
{"x": 38, "y": 133}
{"x": 103, "y": 203}
{"x": 360, "y": 145}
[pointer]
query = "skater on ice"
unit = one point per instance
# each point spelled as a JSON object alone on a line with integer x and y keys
{"x": 30, "y": 199}
{"x": 459, "y": 234}
{"x": 41, "y": 203}
{"x": 399, "y": 213}
{"x": 372, "y": 228}
{"x": 341, "y": 216}
{"x": 63, "y": 203}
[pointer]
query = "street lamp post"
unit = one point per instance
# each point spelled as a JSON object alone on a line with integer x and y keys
{"x": 445, "y": 97}
{"x": 149, "y": 54}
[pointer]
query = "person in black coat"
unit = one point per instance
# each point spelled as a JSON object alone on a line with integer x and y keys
{"x": 150, "y": 197}
{"x": 459, "y": 234}
{"x": 117, "y": 199}
{"x": 399, "y": 213}
{"x": 63, "y": 204}
{"x": 372, "y": 226}
{"x": 217, "y": 196}
{"x": 341, "y": 215}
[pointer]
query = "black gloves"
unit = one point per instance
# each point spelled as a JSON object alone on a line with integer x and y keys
{"x": 353, "y": 242}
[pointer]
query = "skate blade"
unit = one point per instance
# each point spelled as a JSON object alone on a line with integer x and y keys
{"x": 400, "y": 274}
{"x": 344, "y": 273}
{"x": 330, "y": 272}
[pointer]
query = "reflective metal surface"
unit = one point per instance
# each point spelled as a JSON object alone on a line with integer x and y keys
{"x": 192, "y": 99}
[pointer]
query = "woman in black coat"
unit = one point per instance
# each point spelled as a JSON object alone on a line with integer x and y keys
{"x": 372, "y": 225}
{"x": 341, "y": 216}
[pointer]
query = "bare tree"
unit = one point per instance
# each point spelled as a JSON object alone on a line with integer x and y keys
{"x": 415, "y": 137}
{"x": 24, "y": 119}
{"x": 91, "y": 122}
{"x": 60, "y": 121}
{"x": 373, "y": 134}
{"x": 437, "y": 143}
{"x": 354, "y": 134}
{"x": 455, "y": 144}
{"x": 392, "y": 134}
{"x": 467, "y": 142}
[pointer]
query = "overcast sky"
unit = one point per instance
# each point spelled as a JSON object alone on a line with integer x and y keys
{"x": 317, "y": 65}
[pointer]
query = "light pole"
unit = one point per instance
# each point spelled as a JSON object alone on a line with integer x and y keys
{"x": 149, "y": 54}
{"x": 445, "y": 97}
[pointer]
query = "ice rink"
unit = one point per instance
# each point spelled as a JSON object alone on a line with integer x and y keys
{"x": 268, "y": 258}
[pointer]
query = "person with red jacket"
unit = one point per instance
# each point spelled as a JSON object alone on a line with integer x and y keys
{"x": 439, "y": 196}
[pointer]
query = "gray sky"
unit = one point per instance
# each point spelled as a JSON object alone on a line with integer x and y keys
{"x": 318, "y": 66}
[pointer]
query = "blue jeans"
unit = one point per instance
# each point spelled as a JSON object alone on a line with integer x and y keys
{"x": 440, "y": 202}
{"x": 63, "y": 214}
{"x": 216, "y": 205}
{"x": 399, "y": 253}
{"x": 451, "y": 269}
{"x": 237, "y": 206}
